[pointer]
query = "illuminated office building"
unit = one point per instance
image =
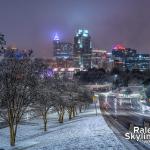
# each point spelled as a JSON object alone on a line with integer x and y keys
{"x": 82, "y": 49}
{"x": 62, "y": 50}
{"x": 129, "y": 59}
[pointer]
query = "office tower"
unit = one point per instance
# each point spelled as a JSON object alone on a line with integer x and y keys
{"x": 82, "y": 49}
{"x": 56, "y": 45}
{"x": 129, "y": 59}
{"x": 62, "y": 50}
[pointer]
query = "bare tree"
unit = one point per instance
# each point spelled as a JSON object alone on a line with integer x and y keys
{"x": 59, "y": 106}
{"x": 72, "y": 93}
{"x": 84, "y": 98}
{"x": 16, "y": 80}
{"x": 76, "y": 96}
{"x": 44, "y": 99}
{"x": 60, "y": 102}
{"x": 71, "y": 97}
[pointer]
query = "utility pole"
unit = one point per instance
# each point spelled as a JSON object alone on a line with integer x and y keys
{"x": 95, "y": 101}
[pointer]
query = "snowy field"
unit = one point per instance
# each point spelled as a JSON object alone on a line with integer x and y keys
{"x": 85, "y": 132}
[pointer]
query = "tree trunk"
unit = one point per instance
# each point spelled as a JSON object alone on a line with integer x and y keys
{"x": 70, "y": 115}
{"x": 69, "y": 110}
{"x": 12, "y": 128}
{"x": 61, "y": 115}
{"x": 76, "y": 111}
{"x": 45, "y": 122}
{"x": 45, "y": 125}
{"x": 12, "y": 135}
{"x": 73, "y": 111}
{"x": 61, "y": 118}
{"x": 80, "y": 108}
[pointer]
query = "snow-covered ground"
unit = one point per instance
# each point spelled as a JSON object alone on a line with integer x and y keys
{"x": 85, "y": 132}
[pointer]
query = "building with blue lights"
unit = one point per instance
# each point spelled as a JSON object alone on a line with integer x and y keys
{"x": 62, "y": 50}
{"x": 101, "y": 59}
{"x": 82, "y": 42}
{"x": 56, "y": 45}
{"x": 129, "y": 59}
{"x": 139, "y": 61}
{"x": 82, "y": 49}
{"x": 13, "y": 52}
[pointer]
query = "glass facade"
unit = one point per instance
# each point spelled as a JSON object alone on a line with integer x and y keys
{"x": 62, "y": 50}
{"x": 129, "y": 59}
{"x": 82, "y": 49}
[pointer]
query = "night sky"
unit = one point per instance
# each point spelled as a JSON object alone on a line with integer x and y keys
{"x": 33, "y": 23}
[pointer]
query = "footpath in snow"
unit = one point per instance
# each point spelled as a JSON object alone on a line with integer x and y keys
{"x": 85, "y": 132}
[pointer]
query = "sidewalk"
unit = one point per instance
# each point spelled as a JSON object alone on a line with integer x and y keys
{"x": 86, "y": 132}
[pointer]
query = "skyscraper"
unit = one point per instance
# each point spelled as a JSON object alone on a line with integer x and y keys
{"x": 120, "y": 55}
{"x": 82, "y": 42}
{"x": 56, "y": 45}
{"x": 82, "y": 49}
{"x": 127, "y": 58}
{"x": 62, "y": 50}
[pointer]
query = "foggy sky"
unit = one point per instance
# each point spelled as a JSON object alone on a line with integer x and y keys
{"x": 33, "y": 23}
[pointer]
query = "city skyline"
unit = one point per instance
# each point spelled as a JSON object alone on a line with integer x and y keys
{"x": 33, "y": 24}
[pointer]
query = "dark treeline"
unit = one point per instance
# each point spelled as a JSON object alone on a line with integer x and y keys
{"x": 116, "y": 76}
